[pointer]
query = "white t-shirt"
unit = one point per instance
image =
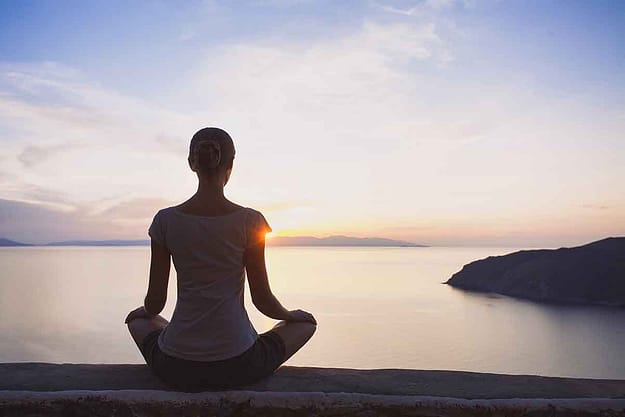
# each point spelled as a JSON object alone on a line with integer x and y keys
{"x": 209, "y": 322}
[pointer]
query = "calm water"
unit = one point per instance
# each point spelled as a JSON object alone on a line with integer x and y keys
{"x": 376, "y": 307}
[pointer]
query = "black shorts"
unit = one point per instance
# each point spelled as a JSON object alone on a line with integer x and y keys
{"x": 260, "y": 360}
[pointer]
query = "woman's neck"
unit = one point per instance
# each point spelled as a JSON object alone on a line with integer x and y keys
{"x": 210, "y": 190}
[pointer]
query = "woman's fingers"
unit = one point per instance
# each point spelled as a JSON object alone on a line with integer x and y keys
{"x": 301, "y": 315}
{"x": 309, "y": 317}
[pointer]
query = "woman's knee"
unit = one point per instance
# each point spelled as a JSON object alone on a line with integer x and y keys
{"x": 309, "y": 329}
{"x": 139, "y": 328}
{"x": 295, "y": 334}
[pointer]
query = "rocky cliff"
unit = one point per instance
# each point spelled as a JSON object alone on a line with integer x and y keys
{"x": 589, "y": 274}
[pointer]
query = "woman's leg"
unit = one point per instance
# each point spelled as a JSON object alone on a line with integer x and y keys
{"x": 141, "y": 327}
{"x": 294, "y": 334}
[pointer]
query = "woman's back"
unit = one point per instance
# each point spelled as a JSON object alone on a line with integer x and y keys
{"x": 214, "y": 244}
{"x": 209, "y": 321}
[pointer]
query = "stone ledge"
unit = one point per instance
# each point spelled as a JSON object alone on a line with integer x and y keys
{"x": 37, "y": 389}
{"x": 145, "y": 403}
{"x": 34, "y": 376}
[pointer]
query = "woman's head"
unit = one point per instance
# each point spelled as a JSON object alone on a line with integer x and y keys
{"x": 211, "y": 153}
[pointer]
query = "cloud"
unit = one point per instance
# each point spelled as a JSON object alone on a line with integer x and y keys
{"x": 348, "y": 103}
{"x": 37, "y": 223}
{"x": 347, "y": 121}
{"x": 135, "y": 212}
{"x": 595, "y": 206}
{"x": 82, "y": 140}
{"x": 15, "y": 188}
{"x": 324, "y": 90}
{"x": 281, "y": 206}
{"x": 187, "y": 34}
{"x": 282, "y": 3}
{"x": 403, "y": 41}
{"x": 98, "y": 142}
{"x": 418, "y": 9}
{"x": 53, "y": 104}
{"x": 51, "y": 117}
{"x": 32, "y": 155}
{"x": 41, "y": 223}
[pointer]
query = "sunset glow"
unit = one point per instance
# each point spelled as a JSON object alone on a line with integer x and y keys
{"x": 433, "y": 121}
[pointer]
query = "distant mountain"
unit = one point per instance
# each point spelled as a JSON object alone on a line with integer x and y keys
{"x": 8, "y": 242}
{"x": 589, "y": 274}
{"x": 142, "y": 242}
{"x": 276, "y": 241}
{"x": 337, "y": 241}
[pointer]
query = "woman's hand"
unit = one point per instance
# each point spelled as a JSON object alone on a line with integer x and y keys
{"x": 301, "y": 315}
{"x": 138, "y": 313}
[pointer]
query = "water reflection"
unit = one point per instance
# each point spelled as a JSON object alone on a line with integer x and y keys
{"x": 377, "y": 308}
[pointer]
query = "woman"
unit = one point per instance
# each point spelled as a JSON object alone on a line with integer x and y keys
{"x": 210, "y": 342}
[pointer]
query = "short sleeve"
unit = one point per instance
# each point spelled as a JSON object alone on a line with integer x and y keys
{"x": 257, "y": 228}
{"x": 155, "y": 231}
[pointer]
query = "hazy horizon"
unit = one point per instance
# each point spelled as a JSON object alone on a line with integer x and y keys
{"x": 271, "y": 242}
{"x": 438, "y": 122}
{"x": 270, "y": 239}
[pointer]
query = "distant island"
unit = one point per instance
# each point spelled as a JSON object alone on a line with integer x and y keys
{"x": 338, "y": 241}
{"x": 588, "y": 274}
{"x": 8, "y": 242}
{"x": 140, "y": 242}
{"x": 275, "y": 241}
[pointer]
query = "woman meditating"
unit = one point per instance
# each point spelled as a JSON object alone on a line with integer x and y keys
{"x": 210, "y": 342}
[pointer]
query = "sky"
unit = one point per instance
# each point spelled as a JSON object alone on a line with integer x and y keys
{"x": 440, "y": 122}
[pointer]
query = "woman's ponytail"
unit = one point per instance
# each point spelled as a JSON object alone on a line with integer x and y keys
{"x": 211, "y": 150}
{"x": 208, "y": 155}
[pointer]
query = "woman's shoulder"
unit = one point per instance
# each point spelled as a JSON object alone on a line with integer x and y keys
{"x": 257, "y": 221}
{"x": 248, "y": 213}
{"x": 252, "y": 211}
{"x": 254, "y": 214}
{"x": 165, "y": 211}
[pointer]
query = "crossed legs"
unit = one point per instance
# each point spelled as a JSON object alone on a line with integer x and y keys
{"x": 141, "y": 327}
{"x": 294, "y": 334}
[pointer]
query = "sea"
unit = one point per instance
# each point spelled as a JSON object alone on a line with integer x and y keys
{"x": 377, "y": 307}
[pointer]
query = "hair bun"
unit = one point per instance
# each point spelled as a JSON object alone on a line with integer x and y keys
{"x": 208, "y": 154}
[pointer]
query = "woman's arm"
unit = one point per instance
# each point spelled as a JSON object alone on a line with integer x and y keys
{"x": 160, "y": 265}
{"x": 262, "y": 297}
{"x": 157, "y": 288}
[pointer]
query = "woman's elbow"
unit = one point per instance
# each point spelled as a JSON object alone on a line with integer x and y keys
{"x": 258, "y": 302}
{"x": 154, "y": 305}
